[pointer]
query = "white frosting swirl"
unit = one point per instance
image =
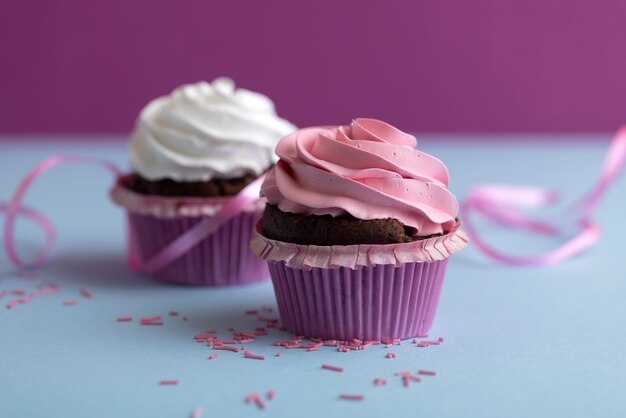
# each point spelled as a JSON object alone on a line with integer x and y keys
{"x": 206, "y": 130}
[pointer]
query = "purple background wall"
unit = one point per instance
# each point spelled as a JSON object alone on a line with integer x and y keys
{"x": 455, "y": 65}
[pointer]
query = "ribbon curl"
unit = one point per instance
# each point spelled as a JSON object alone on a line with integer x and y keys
{"x": 502, "y": 205}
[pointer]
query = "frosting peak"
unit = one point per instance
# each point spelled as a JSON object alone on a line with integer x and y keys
{"x": 368, "y": 169}
{"x": 206, "y": 130}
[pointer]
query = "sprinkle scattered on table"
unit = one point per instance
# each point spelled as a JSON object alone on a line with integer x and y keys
{"x": 168, "y": 382}
{"x": 249, "y": 354}
{"x": 254, "y": 397}
{"x": 152, "y": 320}
{"x": 333, "y": 368}
{"x": 351, "y": 397}
{"x": 427, "y": 372}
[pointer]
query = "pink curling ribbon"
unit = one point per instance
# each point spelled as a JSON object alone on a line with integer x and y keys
{"x": 168, "y": 254}
{"x": 13, "y": 208}
{"x": 502, "y": 205}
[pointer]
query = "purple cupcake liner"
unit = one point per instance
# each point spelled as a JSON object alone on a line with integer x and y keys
{"x": 221, "y": 259}
{"x": 369, "y": 303}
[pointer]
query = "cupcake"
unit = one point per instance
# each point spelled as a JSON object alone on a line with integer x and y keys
{"x": 357, "y": 232}
{"x": 198, "y": 157}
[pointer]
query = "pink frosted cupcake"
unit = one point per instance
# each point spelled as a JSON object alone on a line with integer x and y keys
{"x": 198, "y": 157}
{"x": 357, "y": 232}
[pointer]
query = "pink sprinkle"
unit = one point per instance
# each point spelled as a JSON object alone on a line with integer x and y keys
{"x": 197, "y": 411}
{"x": 415, "y": 378}
{"x": 271, "y": 394}
{"x": 315, "y": 347}
{"x": 70, "y": 302}
{"x": 226, "y": 348}
{"x": 260, "y": 402}
{"x": 402, "y": 373}
{"x": 265, "y": 319}
{"x": 246, "y": 341}
{"x": 212, "y": 356}
{"x": 86, "y": 293}
{"x": 428, "y": 372}
{"x": 250, "y": 355}
{"x": 279, "y": 354}
{"x": 441, "y": 339}
{"x": 124, "y": 319}
{"x": 18, "y": 292}
{"x": 251, "y": 312}
{"x": 423, "y": 344}
{"x": 414, "y": 341}
{"x": 390, "y": 355}
{"x": 151, "y": 322}
{"x": 333, "y": 368}
{"x": 422, "y": 335}
{"x": 173, "y": 313}
{"x": 228, "y": 342}
{"x": 380, "y": 382}
{"x": 435, "y": 342}
{"x": 169, "y": 382}
{"x": 254, "y": 397}
{"x": 351, "y": 397}
{"x": 19, "y": 301}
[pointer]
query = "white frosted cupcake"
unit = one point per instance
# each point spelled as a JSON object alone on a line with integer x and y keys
{"x": 198, "y": 157}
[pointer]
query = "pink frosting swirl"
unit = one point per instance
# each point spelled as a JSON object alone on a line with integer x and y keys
{"x": 368, "y": 169}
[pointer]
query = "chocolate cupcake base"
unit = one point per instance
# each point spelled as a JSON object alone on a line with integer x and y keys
{"x": 172, "y": 188}
{"x": 329, "y": 230}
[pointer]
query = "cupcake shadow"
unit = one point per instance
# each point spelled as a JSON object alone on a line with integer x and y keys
{"x": 96, "y": 270}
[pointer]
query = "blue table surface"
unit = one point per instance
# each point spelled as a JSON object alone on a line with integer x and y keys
{"x": 519, "y": 342}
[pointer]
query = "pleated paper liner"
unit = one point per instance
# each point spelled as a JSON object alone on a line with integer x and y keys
{"x": 223, "y": 258}
{"x": 369, "y": 292}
